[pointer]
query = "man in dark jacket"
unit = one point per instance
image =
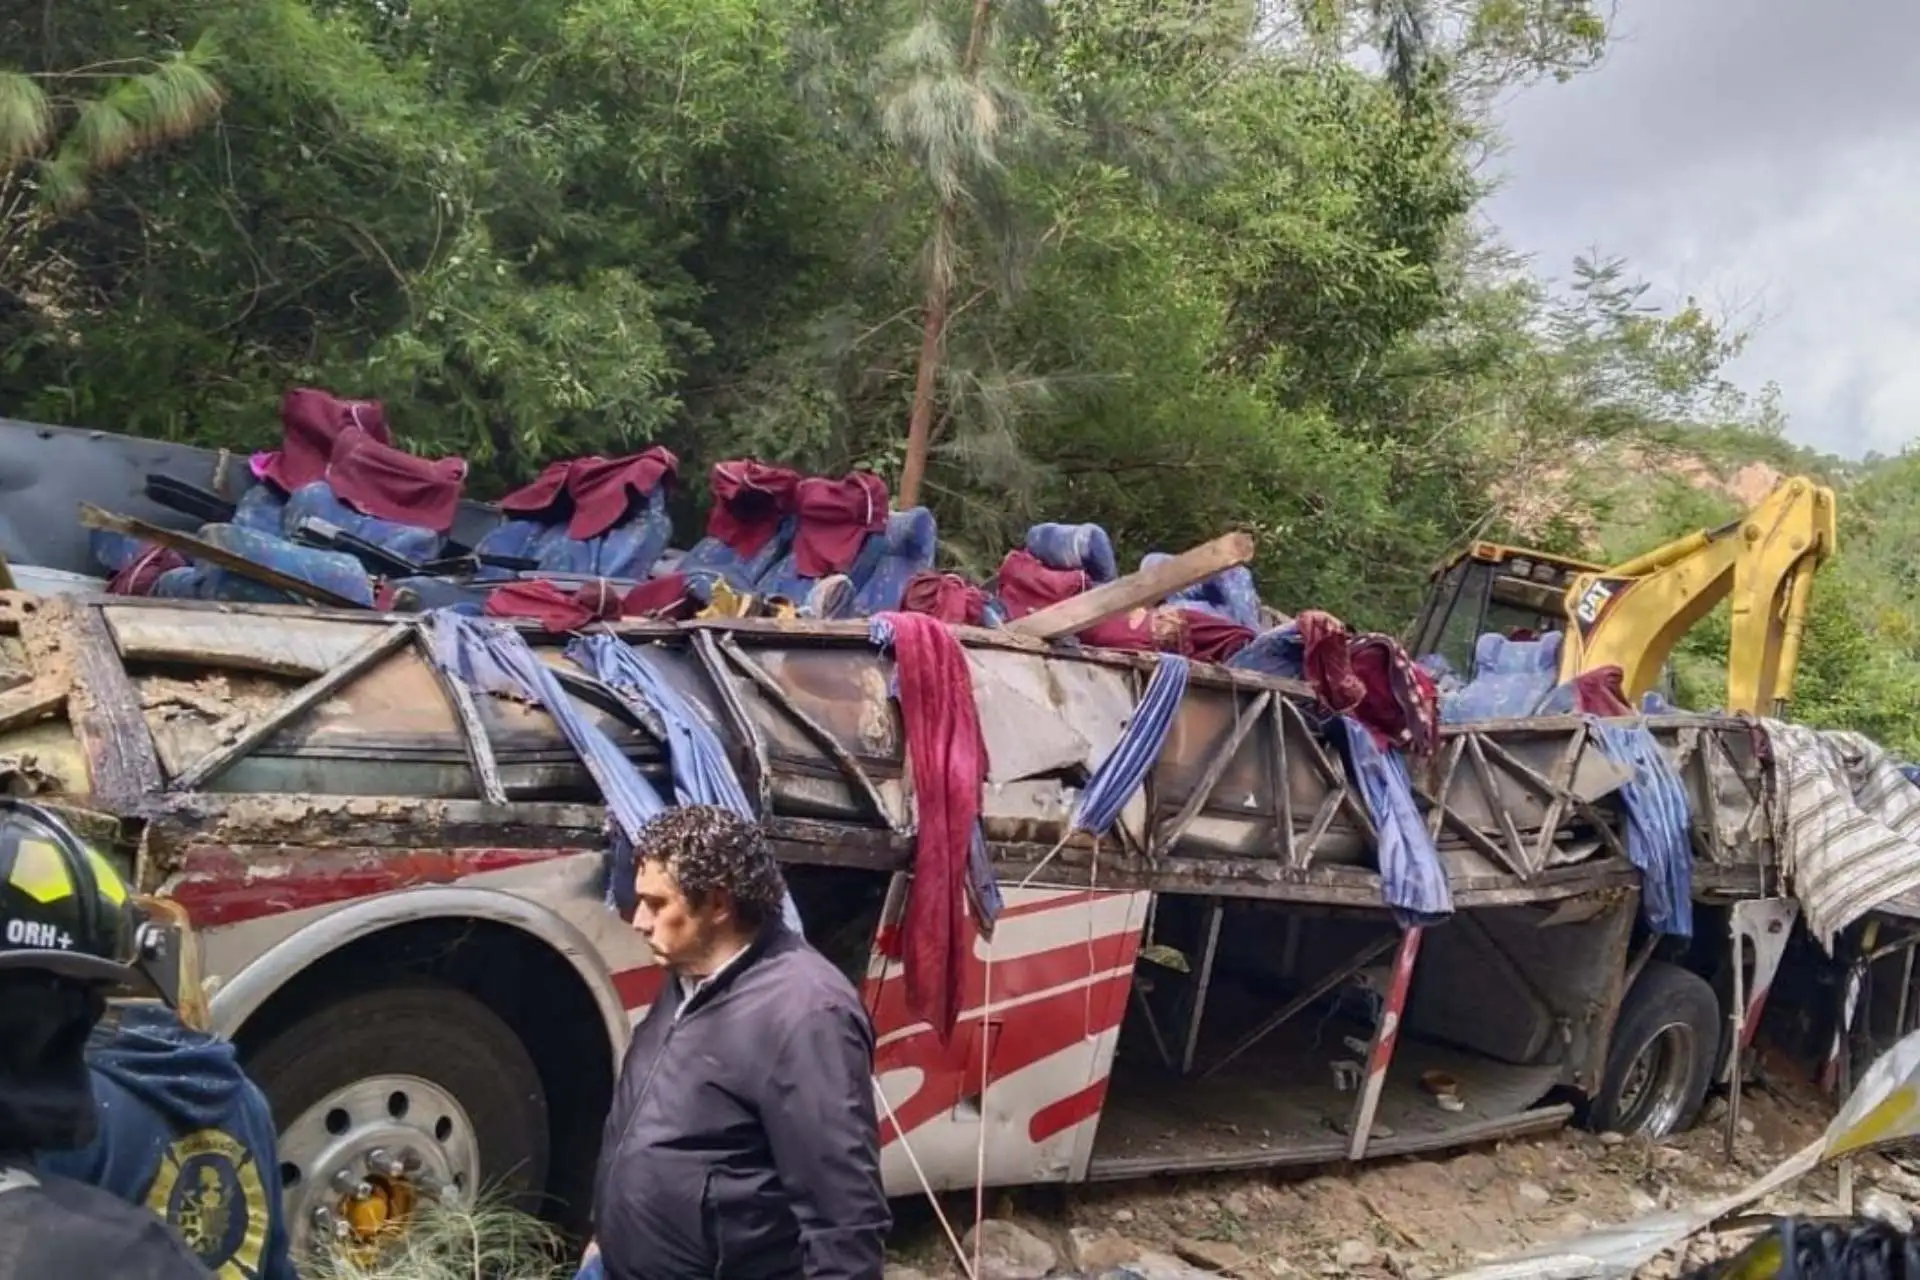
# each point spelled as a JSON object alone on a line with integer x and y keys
{"x": 67, "y": 941}
{"x": 742, "y": 1144}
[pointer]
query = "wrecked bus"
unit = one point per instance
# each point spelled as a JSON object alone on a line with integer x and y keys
{"x": 400, "y": 879}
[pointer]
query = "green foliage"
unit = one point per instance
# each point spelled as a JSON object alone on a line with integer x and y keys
{"x": 48, "y": 117}
{"x": 26, "y": 117}
{"x": 1204, "y": 265}
{"x": 489, "y": 1240}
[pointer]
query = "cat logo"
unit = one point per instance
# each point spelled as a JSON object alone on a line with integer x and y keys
{"x": 208, "y": 1187}
{"x": 1594, "y": 602}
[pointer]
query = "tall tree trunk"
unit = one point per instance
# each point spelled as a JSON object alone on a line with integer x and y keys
{"x": 939, "y": 289}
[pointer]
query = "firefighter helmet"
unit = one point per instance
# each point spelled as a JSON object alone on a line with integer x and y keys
{"x": 63, "y": 907}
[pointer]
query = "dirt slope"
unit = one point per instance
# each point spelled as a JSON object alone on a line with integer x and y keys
{"x": 1563, "y": 489}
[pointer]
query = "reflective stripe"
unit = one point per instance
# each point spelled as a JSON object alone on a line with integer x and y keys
{"x": 40, "y": 872}
{"x": 106, "y": 878}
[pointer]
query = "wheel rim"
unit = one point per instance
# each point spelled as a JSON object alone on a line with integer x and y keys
{"x": 1654, "y": 1088}
{"x": 355, "y": 1164}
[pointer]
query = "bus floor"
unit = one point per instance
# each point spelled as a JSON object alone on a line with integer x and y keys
{"x": 1278, "y": 1103}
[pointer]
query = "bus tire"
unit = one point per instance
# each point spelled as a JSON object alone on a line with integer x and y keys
{"x": 423, "y": 1069}
{"x": 1661, "y": 1059}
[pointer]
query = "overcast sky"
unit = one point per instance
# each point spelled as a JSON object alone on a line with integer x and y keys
{"x": 1759, "y": 154}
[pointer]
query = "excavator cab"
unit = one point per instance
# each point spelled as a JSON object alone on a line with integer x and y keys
{"x": 1490, "y": 587}
{"x": 1631, "y": 614}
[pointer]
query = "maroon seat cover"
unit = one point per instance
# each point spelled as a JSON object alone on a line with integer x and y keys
{"x": 595, "y": 493}
{"x": 836, "y": 518}
{"x": 750, "y": 499}
{"x": 378, "y": 480}
{"x": 946, "y": 596}
{"x": 311, "y": 422}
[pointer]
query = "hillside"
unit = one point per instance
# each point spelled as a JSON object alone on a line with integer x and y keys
{"x": 1861, "y": 663}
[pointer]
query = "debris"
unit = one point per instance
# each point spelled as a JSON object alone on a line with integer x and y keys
{"x": 1444, "y": 1088}
{"x": 210, "y": 695}
{"x": 1214, "y": 1255}
{"x": 1096, "y": 1252}
{"x": 33, "y": 701}
{"x": 1389, "y": 1221}
{"x": 1166, "y": 957}
{"x": 1355, "y": 1253}
{"x": 1440, "y": 1216}
{"x": 21, "y": 776}
{"x": 1009, "y": 1251}
{"x": 1888, "y": 1208}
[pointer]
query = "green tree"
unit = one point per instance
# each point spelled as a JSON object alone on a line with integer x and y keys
{"x": 1171, "y": 268}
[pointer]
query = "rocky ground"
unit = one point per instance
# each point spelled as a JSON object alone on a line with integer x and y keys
{"x": 1409, "y": 1218}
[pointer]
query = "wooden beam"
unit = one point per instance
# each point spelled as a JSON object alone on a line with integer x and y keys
{"x": 104, "y": 709}
{"x": 1137, "y": 590}
{"x": 277, "y": 644}
{"x": 92, "y": 517}
{"x": 217, "y": 761}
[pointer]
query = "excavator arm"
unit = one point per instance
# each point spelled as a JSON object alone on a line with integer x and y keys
{"x": 1632, "y": 614}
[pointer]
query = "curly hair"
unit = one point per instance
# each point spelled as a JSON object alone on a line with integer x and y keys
{"x": 704, "y": 847}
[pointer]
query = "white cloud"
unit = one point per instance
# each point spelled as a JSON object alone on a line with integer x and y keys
{"x": 1758, "y": 153}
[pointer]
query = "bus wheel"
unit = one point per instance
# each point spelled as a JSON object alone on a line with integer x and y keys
{"x": 1661, "y": 1060}
{"x": 384, "y": 1098}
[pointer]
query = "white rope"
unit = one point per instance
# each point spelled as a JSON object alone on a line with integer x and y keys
{"x": 980, "y": 1152}
{"x": 986, "y": 1042}
{"x": 1093, "y": 886}
{"x": 1093, "y": 962}
{"x": 900, "y": 1135}
{"x": 986, "y": 1039}
{"x": 1042, "y": 865}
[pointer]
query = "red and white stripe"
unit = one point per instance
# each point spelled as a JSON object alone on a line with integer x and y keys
{"x": 1061, "y": 965}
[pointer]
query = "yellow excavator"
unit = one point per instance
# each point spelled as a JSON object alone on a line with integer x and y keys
{"x": 1631, "y": 614}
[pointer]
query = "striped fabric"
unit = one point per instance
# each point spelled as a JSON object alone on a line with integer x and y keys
{"x": 1413, "y": 881}
{"x": 1847, "y": 823}
{"x": 702, "y": 773}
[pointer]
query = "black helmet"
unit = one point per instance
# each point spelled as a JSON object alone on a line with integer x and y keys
{"x": 63, "y": 908}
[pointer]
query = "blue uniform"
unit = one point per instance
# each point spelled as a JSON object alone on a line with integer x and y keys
{"x": 185, "y": 1133}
